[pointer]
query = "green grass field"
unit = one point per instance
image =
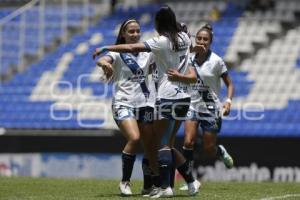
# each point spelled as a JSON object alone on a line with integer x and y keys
{"x": 87, "y": 189}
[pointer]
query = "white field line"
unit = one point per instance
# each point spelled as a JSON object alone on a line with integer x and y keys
{"x": 281, "y": 197}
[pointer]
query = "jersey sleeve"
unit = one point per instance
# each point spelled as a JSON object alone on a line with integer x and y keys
{"x": 151, "y": 59}
{"x": 113, "y": 56}
{"x": 221, "y": 67}
{"x": 151, "y": 63}
{"x": 156, "y": 44}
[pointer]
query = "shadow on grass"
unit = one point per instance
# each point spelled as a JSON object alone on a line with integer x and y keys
{"x": 179, "y": 196}
{"x": 118, "y": 195}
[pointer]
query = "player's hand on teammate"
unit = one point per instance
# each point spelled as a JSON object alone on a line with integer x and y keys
{"x": 98, "y": 51}
{"x": 173, "y": 75}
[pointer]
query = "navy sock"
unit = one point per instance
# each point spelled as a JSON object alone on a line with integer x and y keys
{"x": 189, "y": 156}
{"x": 156, "y": 180}
{"x": 188, "y": 153}
{"x": 127, "y": 166}
{"x": 173, "y": 170}
{"x": 165, "y": 164}
{"x": 147, "y": 174}
{"x": 185, "y": 172}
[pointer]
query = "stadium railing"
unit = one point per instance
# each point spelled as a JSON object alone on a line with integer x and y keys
{"x": 35, "y": 26}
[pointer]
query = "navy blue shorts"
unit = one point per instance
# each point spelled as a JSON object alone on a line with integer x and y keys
{"x": 208, "y": 121}
{"x": 175, "y": 109}
{"x": 142, "y": 114}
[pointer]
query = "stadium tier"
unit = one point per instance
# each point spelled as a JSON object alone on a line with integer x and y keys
{"x": 53, "y": 18}
{"x": 64, "y": 90}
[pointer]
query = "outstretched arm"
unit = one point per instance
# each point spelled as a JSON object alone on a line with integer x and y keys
{"x": 121, "y": 48}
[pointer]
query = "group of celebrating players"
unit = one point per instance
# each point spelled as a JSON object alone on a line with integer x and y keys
{"x": 160, "y": 83}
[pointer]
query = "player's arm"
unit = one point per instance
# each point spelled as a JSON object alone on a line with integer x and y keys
{"x": 105, "y": 63}
{"x": 190, "y": 77}
{"x": 230, "y": 90}
{"x": 122, "y": 48}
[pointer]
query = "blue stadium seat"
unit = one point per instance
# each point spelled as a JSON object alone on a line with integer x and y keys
{"x": 18, "y": 111}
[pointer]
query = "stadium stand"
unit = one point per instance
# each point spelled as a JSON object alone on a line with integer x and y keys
{"x": 28, "y": 29}
{"x": 63, "y": 90}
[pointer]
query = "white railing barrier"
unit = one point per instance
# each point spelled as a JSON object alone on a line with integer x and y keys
{"x": 17, "y": 22}
{"x": 8, "y": 21}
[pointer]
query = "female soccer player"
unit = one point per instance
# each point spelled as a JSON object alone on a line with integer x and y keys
{"x": 205, "y": 108}
{"x": 171, "y": 51}
{"x": 133, "y": 101}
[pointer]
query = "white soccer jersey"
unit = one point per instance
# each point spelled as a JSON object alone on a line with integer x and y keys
{"x": 132, "y": 87}
{"x": 205, "y": 94}
{"x": 167, "y": 58}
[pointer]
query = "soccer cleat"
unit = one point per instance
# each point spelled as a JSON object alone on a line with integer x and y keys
{"x": 125, "y": 188}
{"x": 184, "y": 187}
{"x": 146, "y": 192}
{"x": 193, "y": 188}
{"x": 168, "y": 192}
{"x": 154, "y": 190}
{"x": 226, "y": 158}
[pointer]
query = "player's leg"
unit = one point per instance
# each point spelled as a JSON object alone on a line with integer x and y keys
{"x": 179, "y": 161}
{"x": 146, "y": 132}
{"x": 130, "y": 131}
{"x": 211, "y": 127}
{"x": 172, "y": 113}
{"x": 209, "y": 144}
{"x": 186, "y": 172}
{"x": 164, "y": 129}
{"x": 190, "y": 136}
{"x": 149, "y": 163}
{"x": 127, "y": 123}
{"x": 183, "y": 166}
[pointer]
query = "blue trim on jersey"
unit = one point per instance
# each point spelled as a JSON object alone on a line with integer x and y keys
{"x": 224, "y": 73}
{"x": 147, "y": 46}
{"x": 134, "y": 67}
{"x": 184, "y": 59}
{"x": 194, "y": 63}
{"x": 207, "y": 58}
{"x": 110, "y": 57}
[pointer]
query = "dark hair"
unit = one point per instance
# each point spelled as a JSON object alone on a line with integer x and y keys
{"x": 183, "y": 27}
{"x": 208, "y": 28}
{"x": 166, "y": 24}
{"x": 120, "y": 38}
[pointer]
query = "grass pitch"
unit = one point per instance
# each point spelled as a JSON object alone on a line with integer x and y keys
{"x": 17, "y": 188}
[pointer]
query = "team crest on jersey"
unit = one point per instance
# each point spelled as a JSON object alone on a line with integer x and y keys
{"x": 209, "y": 65}
{"x": 199, "y": 86}
{"x": 138, "y": 76}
